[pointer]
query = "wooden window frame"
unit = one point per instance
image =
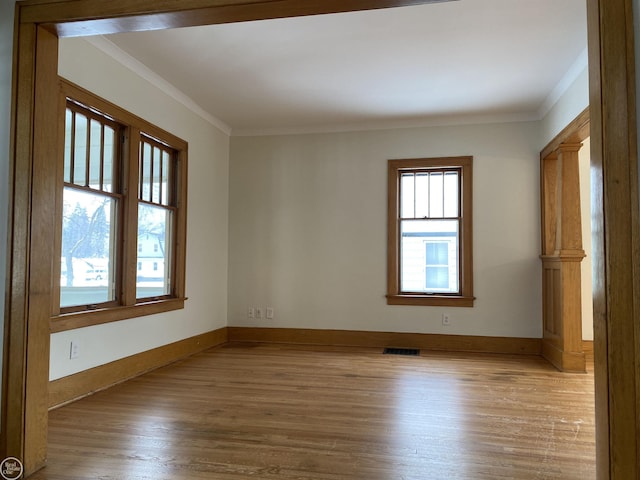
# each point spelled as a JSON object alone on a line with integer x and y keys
{"x": 394, "y": 295}
{"x": 127, "y": 305}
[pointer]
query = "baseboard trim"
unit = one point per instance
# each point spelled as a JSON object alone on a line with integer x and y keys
{"x": 569, "y": 362}
{"x": 351, "y": 338}
{"x": 587, "y": 348}
{"x": 82, "y": 384}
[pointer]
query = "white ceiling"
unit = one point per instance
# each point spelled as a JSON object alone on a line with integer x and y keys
{"x": 480, "y": 59}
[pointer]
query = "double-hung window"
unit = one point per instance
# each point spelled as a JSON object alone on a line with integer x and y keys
{"x": 122, "y": 208}
{"x": 430, "y": 232}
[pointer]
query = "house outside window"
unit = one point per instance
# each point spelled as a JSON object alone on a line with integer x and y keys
{"x": 439, "y": 268}
{"x": 430, "y": 232}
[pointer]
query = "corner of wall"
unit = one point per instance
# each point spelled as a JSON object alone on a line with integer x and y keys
{"x": 568, "y": 107}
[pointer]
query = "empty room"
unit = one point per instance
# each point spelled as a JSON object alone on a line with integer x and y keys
{"x": 338, "y": 244}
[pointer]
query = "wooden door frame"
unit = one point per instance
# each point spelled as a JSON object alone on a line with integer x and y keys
{"x": 615, "y": 211}
{"x": 616, "y": 237}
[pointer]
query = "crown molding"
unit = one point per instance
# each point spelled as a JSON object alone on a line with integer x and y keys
{"x": 156, "y": 80}
{"x": 397, "y": 124}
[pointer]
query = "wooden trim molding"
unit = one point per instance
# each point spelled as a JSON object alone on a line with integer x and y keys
{"x": 576, "y": 132}
{"x": 453, "y": 343}
{"x": 69, "y": 321}
{"x": 91, "y": 17}
{"x": 616, "y": 237}
{"x": 82, "y": 384}
{"x": 587, "y": 348}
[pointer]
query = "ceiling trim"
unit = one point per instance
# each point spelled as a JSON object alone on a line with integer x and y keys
{"x": 156, "y": 80}
{"x": 434, "y": 121}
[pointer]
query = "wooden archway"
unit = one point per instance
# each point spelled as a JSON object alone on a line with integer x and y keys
{"x": 562, "y": 251}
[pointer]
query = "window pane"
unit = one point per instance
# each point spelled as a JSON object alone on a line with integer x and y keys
{"x": 422, "y": 195}
{"x": 157, "y": 160}
{"x": 80, "y": 151}
{"x": 429, "y": 254}
{"x": 407, "y": 195}
{"x": 95, "y": 154}
{"x": 68, "y": 127}
{"x": 145, "y": 172}
{"x": 436, "y": 199}
{"x": 88, "y": 248}
{"x": 451, "y": 194}
{"x": 109, "y": 159}
{"x": 154, "y": 255}
{"x": 166, "y": 198}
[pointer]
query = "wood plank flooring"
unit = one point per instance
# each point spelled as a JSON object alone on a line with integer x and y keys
{"x": 283, "y": 412}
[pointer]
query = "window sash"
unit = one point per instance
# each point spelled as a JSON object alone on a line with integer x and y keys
{"x": 84, "y": 147}
{"x": 415, "y": 237}
{"x": 156, "y": 235}
{"x": 90, "y": 281}
{"x": 430, "y": 193}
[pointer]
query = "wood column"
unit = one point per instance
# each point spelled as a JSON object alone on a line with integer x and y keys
{"x": 616, "y": 237}
{"x": 561, "y": 257}
{"x": 25, "y": 410}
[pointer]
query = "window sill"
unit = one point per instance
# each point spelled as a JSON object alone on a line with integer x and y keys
{"x": 87, "y": 318}
{"x": 430, "y": 300}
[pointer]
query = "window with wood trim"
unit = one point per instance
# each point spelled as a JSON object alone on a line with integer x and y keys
{"x": 122, "y": 207}
{"x": 429, "y": 259}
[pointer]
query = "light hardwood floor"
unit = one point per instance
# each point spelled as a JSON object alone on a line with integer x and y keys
{"x": 284, "y": 412}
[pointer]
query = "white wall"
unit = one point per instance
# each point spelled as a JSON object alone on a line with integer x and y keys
{"x": 308, "y": 229}
{"x": 568, "y": 107}
{"x": 206, "y": 308}
{"x": 6, "y": 59}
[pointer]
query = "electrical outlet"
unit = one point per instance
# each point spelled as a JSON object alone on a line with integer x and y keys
{"x": 268, "y": 313}
{"x": 258, "y": 313}
{"x": 74, "y": 350}
{"x": 446, "y": 320}
{"x": 251, "y": 312}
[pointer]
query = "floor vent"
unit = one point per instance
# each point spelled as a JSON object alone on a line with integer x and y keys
{"x": 402, "y": 351}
